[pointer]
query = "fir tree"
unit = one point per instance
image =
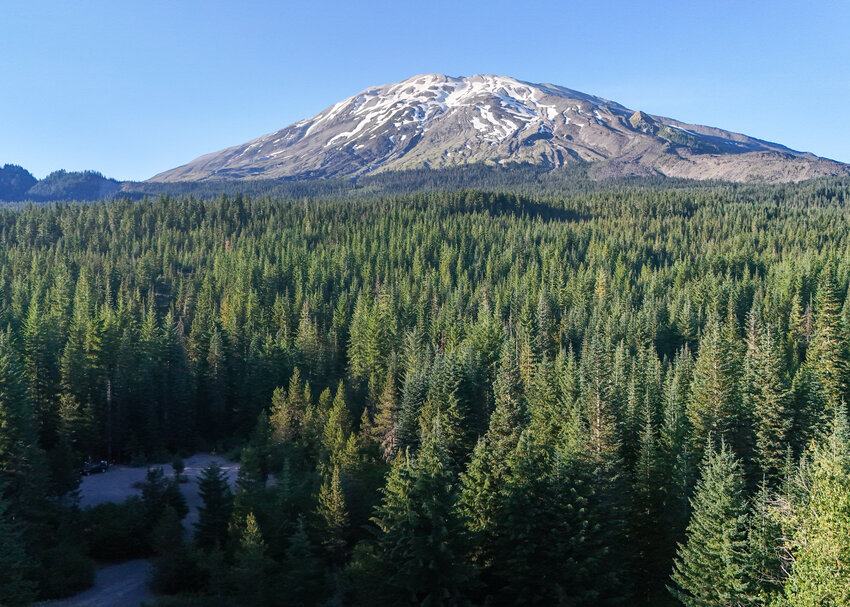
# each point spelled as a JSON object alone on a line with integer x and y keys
{"x": 417, "y": 556}
{"x": 252, "y": 575}
{"x": 254, "y": 471}
{"x": 820, "y": 536}
{"x": 387, "y": 419}
{"x": 770, "y": 405}
{"x": 712, "y": 567}
{"x": 303, "y": 578}
{"x": 337, "y": 434}
{"x": 648, "y": 484}
{"x": 16, "y": 587}
{"x": 23, "y": 470}
{"x": 546, "y": 542}
{"x": 334, "y": 516}
{"x": 713, "y": 406}
{"x": 214, "y": 514}
{"x": 288, "y": 408}
{"x": 596, "y": 395}
{"x": 826, "y": 358}
{"x": 159, "y": 493}
{"x": 765, "y": 546}
{"x": 488, "y": 470}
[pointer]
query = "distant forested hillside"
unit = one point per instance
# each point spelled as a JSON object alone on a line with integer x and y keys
{"x": 18, "y": 184}
{"x": 15, "y": 182}
{"x": 619, "y": 394}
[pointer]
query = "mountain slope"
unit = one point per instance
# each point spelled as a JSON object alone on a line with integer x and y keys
{"x": 437, "y": 121}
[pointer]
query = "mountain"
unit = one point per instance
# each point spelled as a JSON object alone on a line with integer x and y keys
{"x": 438, "y": 121}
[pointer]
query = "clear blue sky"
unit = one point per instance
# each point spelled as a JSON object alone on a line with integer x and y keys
{"x": 131, "y": 88}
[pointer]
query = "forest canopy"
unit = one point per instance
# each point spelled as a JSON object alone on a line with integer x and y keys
{"x": 625, "y": 395}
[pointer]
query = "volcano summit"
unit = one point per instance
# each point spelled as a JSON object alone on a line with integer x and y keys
{"x": 438, "y": 121}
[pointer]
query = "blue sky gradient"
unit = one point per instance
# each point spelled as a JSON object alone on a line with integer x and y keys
{"x": 132, "y": 88}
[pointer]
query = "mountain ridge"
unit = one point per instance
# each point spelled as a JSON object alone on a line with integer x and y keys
{"x": 438, "y": 121}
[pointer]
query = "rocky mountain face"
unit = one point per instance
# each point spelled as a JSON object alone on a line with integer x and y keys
{"x": 438, "y": 121}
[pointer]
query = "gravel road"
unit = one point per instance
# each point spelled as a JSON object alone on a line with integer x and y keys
{"x": 126, "y": 584}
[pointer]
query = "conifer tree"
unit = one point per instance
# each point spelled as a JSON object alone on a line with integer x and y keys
{"x": 215, "y": 386}
{"x": 546, "y": 541}
{"x": 23, "y": 472}
{"x": 596, "y": 395}
{"x": 414, "y": 390}
{"x": 42, "y": 373}
{"x": 443, "y": 405}
{"x": 418, "y": 551}
{"x": 713, "y": 406}
{"x": 288, "y": 409}
{"x": 765, "y": 546}
{"x": 820, "y": 529}
{"x": 303, "y": 578}
{"x": 488, "y": 470}
{"x": 214, "y": 514}
{"x": 544, "y": 325}
{"x": 542, "y": 403}
{"x": 252, "y": 575}
{"x": 337, "y": 432}
{"x": 712, "y": 567}
{"x": 826, "y": 358}
{"x": 256, "y": 456}
{"x": 334, "y": 516}
{"x": 770, "y": 400}
{"x": 648, "y": 487}
{"x": 178, "y": 413}
{"x": 16, "y": 587}
{"x": 159, "y": 493}
{"x": 307, "y": 344}
{"x": 387, "y": 419}
{"x": 174, "y": 569}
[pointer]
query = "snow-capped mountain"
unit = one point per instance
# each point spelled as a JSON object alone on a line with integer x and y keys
{"x": 436, "y": 121}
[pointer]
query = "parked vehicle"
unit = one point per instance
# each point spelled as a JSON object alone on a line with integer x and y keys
{"x": 91, "y": 467}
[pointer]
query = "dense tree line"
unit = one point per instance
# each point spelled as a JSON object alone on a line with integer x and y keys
{"x": 631, "y": 395}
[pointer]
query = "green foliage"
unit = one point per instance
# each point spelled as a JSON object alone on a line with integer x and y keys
{"x": 15, "y": 564}
{"x": 713, "y": 406}
{"x": 767, "y": 399}
{"x": 820, "y": 527}
{"x": 117, "y": 531}
{"x": 160, "y": 493}
{"x": 254, "y": 471}
{"x": 334, "y": 516}
{"x": 552, "y": 356}
{"x": 175, "y": 568}
{"x": 826, "y": 359}
{"x": 304, "y": 577}
{"x": 214, "y": 514}
{"x": 251, "y": 581}
{"x": 545, "y": 544}
{"x": 417, "y": 554}
{"x": 716, "y": 538}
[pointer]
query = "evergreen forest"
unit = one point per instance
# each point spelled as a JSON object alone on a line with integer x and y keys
{"x": 623, "y": 393}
